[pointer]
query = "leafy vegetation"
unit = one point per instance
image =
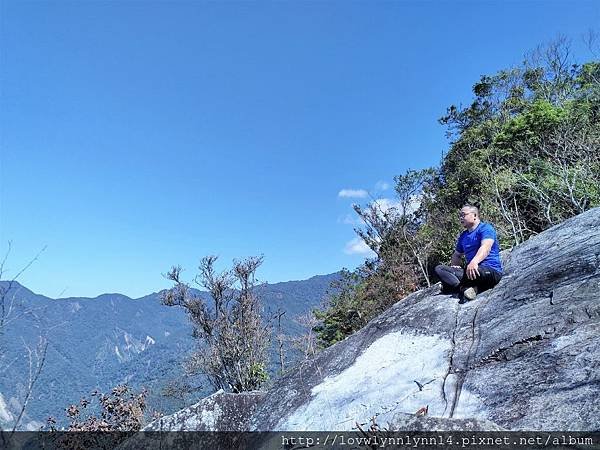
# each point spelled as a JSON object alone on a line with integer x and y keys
{"x": 99, "y": 417}
{"x": 121, "y": 410}
{"x": 526, "y": 150}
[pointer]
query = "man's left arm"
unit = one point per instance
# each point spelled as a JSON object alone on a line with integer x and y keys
{"x": 482, "y": 253}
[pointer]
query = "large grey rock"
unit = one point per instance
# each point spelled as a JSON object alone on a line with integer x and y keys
{"x": 522, "y": 356}
{"x": 525, "y": 355}
{"x": 218, "y": 412}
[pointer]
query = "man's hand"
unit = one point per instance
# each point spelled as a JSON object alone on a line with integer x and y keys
{"x": 472, "y": 270}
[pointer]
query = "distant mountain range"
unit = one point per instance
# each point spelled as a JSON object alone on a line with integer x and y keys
{"x": 97, "y": 343}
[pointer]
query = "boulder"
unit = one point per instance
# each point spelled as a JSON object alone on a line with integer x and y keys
{"x": 219, "y": 412}
{"x": 522, "y": 356}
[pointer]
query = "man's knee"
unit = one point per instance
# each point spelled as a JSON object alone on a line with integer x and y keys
{"x": 447, "y": 275}
{"x": 486, "y": 273}
{"x": 488, "y": 277}
{"x": 440, "y": 268}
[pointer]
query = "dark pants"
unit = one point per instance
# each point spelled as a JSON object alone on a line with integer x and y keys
{"x": 455, "y": 278}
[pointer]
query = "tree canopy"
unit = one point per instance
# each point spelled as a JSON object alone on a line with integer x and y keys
{"x": 526, "y": 150}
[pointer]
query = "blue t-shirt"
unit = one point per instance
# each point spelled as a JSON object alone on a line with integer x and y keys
{"x": 470, "y": 241}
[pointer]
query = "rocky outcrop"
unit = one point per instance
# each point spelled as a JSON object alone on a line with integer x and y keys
{"x": 218, "y": 412}
{"x": 525, "y": 355}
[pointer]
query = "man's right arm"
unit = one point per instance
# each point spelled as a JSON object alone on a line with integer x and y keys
{"x": 456, "y": 259}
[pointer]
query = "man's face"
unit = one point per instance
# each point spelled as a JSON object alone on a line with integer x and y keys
{"x": 467, "y": 217}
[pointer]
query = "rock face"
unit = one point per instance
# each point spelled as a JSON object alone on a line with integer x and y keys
{"x": 221, "y": 411}
{"x": 524, "y": 355}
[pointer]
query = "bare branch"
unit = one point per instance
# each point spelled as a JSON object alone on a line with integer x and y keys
{"x": 37, "y": 358}
{"x": 231, "y": 336}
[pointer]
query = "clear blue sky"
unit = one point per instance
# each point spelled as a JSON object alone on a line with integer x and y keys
{"x": 136, "y": 135}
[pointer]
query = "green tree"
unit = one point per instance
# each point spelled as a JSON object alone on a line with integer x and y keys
{"x": 526, "y": 150}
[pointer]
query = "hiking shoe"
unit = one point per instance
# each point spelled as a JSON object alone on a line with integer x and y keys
{"x": 448, "y": 291}
{"x": 470, "y": 293}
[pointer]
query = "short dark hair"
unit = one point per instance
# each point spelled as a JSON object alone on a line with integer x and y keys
{"x": 474, "y": 209}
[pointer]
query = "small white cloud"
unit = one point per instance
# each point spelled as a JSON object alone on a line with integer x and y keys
{"x": 415, "y": 202}
{"x": 382, "y": 186}
{"x": 358, "y": 247}
{"x": 353, "y": 193}
{"x": 385, "y": 204}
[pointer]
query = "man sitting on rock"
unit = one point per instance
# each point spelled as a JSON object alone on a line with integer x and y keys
{"x": 479, "y": 245}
